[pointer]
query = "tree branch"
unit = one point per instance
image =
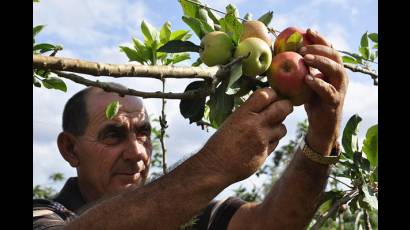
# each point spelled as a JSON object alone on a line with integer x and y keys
{"x": 322, "y": 218}
{"x": 356, "y": 68}
{"x": 112, "y": 88}
{"x": 124, "y": 70}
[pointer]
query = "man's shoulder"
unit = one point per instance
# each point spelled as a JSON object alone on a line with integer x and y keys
{"x": 48, "y": 214}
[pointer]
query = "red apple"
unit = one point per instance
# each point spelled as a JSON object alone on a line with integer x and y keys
{"x": 282, "y": 44}
{"x": 286, "y": 75}
{"x": 256, "y": 29}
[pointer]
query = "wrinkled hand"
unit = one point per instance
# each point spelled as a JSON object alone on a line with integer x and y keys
{"x": 248, "y": 136}
{"x": 329, "y": 82}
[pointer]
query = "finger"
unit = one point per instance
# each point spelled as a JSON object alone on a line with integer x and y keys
{"x": 276, "y": 132}
{"x": 277, "y": 112}
{"x": 272, "y": 146}
{"x": 334, "y": 71}
{"x": 260, "y": 99}
{"x": 316, "y": 73}
{"x": 326, "y": 91}
{"x": 322, "y": 51}
{"x": 316, "y": 38}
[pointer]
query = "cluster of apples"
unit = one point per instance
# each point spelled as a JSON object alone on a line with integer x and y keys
{"x": 283, "y": 66}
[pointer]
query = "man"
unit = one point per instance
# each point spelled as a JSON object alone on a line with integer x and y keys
{"x": 112, "y": 159}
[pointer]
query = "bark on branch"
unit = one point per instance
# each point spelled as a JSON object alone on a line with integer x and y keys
{"x": 356, "y": 68}
{"x": 124, "y": 70}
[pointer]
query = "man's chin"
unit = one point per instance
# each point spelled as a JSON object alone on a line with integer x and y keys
{"x": 125, "y": 182}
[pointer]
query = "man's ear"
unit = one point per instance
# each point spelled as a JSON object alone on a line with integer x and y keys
{"x": 66, "y": 144}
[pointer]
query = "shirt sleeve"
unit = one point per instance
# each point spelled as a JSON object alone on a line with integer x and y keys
{"x": 47, "y": 219}
{"x": 222, "y": 213}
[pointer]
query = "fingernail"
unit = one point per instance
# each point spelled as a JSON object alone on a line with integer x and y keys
{"x": 309, "y": 58}
{"x": 309, "y": 77}
{"x": 302, "y": 50}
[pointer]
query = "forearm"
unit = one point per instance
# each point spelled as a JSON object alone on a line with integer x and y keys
{"x": 163, "y": 204}
{"x": 293, "y": 200}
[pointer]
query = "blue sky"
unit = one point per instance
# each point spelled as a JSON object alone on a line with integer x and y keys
{"x": 93, "y": 30}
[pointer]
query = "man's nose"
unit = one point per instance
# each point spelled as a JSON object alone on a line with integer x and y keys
{"x": 135, "y": 150}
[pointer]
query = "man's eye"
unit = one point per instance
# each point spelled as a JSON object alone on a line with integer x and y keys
{"x": 112, "y": 138}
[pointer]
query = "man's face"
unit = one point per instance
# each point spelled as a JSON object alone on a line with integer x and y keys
{"x": 114, "y": 154}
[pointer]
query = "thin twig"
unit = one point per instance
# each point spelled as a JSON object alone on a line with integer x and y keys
{"x": 163, "y": 123}
{"x": 322, "y": 218}
{"x": 367, "y": 225}
{"x": 348, "y": 53}
{"x": 205, "y": 6}
{"x": 127, "y": 91}
{"x": 334, "y": 178}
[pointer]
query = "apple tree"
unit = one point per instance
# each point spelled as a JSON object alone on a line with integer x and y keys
{"x": 236, "y": 57}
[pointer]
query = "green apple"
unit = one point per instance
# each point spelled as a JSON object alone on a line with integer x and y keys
{"x": 256, "y": 29}
{"x": 259, "y": 59}
{"x": 286, "y": 76}
{"x": 283, "y": 44}
{"x": 216, "y": 48}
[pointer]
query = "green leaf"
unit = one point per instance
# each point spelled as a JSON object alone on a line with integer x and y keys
{"x": 365, "y": 52}
{"x": 43, "y": 47}
{"x": 205, "y": 19}
{"x": 364, "y": 42}
{"x": 248, "y": 16}
{"x": 347, "y": 59}
{"x": 295, "y": 41}
{"x": 349, "y": 138}
{"x": 266, "y": 18}
{"x": 329, "y": 198}
{"x": 150, "y": 33}
{"x": 372, "y": 57}
{"x": 214, "y": 17}
{"x": 195, "y": 25}
{"x": 325, "y": 206}
{"x": 180, "y": 57}
{"x": 193, "y": 109}
{"x": 36, "y": 1}
{"x": 220, "y": 105}
{"x": 198, "y": 62}
{"x": 375, "y": 174}
{"x": 374, "y": 37}
{"x": 179, "y": 35}
{"x": 55, "y": 83}
{"x": 233, "y": 89}
{"x": 231, "y": 25}
{"x": 132, "y": 55}
{"x": 235, "y": 74}
{"x": 369, "y": 197}
{"x": 370, "y": 145}
{"x": 178, "y": 46}
{"x": 376, "y": 46}
{"x": 144, "y": 52}
{"x": 37, "y": 29}
{"x": 189, "y": 8}
{"x": 112, "y": 109}
{"x": 165, "y": 32}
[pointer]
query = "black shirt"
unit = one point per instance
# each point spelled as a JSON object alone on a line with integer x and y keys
{"x": 69, "y": 203}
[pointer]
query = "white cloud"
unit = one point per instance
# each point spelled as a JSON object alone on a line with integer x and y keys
{"x": 88, "y": 22}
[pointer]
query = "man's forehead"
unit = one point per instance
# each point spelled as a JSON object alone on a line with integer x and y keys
{"x": 98, "y": 100}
